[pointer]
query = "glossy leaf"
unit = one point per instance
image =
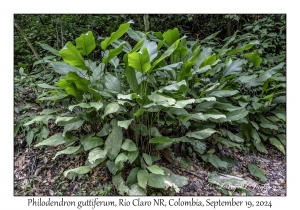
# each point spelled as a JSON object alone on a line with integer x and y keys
{"x": 237, "y": 114}
{"x": 215, "y": 161}
{"x": 240, "y": 49}
{"x": 54, "y": 140}
{"x": 171, "y": 36}
{"x": 112, "y": 167}
{"x": 234, "y": 68}
{"x": 112, "y": 83}
{"x": 72, "y": 56}
{"x": 147, "y": 159}
{"x": 120, "y": 159}
{"x": 156, "y": 180}
{"x": 142, "y": 177}
{"x": 254, "y": 58}
{"x": 140, "y": 61}
{"x": 112, "y": 54}
{"x": 135, "y": 35}
{"x": 92, "y": 143}
{"x": 50, "y": 49}
{"x": 73, "y": 126}
{"x": 124, "y": 123}
{"x": 136, "y": 190}
{"x": 80, "y": 170}
{"x": 277, "y": 144}
{"x": 111, "y": 108}
{"x": 86, "y": 43}
{"x": 97, "y": 105}
{"x": 203, "y": 134}
{"x": 67, "y": 151}
{"x": 119, "y": 183}
{"x": 129, "y": 145}
{"x": 155, "y": 169}
{"x": 159, "y": 140}
{"x": 257, "y": 172}
{"x": 114, "y": 141}
{"x": 82, "y": 105}
{"x": 115, "y": 35}
{"x": 151, "y": 48}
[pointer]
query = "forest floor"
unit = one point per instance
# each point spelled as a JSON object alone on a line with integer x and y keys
{"x": 36, "y": 174}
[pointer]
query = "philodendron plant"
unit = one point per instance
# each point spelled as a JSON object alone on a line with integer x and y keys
{"x": 124, "y": 103}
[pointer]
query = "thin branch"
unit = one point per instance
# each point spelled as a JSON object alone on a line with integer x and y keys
{"x": 29, "y": 44}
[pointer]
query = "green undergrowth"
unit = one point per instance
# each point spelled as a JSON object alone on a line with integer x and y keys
{"x": 150, "y": 91}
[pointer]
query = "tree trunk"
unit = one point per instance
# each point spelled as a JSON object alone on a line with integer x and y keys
{"x": 146, "y": 22}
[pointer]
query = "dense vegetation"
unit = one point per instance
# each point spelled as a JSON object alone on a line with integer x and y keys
{"x": 125, "y": 98}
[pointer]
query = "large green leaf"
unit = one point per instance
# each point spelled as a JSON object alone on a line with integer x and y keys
{"x": 112, "y": 53}
{"x": 240, "y": 49}
{"x": 179, "y": 181}
{"x": 124, "y": 123}
{"x": 131, "y": 78}
{"x": 82, "y": 105}
{"x": 237, "y": 114}
{"x": 92, "y": 142}
{"x": 167, "y": 53}
{"x": 111, "y": 108}
{"x": 156, "y": 180}
{"x": 155, "y": 169}
{"x": 215, "y": 161}
{"x": 132, "y": 177}
{"x": 132, "y": 155}
{"x": 140, "y": 61}
{"x": 112, "y": 83}
{"x": 227, "y": 143}
{"x": 136, "y": 190}
{"x": 232, "y": 137}
{"x": 96, "y": 105}
{"x": 72, "y": 56}
{"x": 63, "y": 68}
{"x": 79, "y": 170}
{"x": 142, "y": 177}
{"x": 86, "y": 43}
{"x": 73, "y": 126}
{"x": 29, "y": 137}
{"x": 120, "y": 159}
{"x": 171, "y": 36}
{"x": 119, "y": 183}
{"x": 46, "y": 86}
{"x": 42, "y": 118}
{"x": 254, "y": 58}
{"x": 223, "y": 93}
{"x": 226, "y": 181}
{"x": 234, "y": 68}
{"x": 73, "y": 78}
{"x": 54, "y": 140}
{"x": 257, "y": 172}
{"x": 96, "y": 153}
{"x": 147, "y": 159}
{"x": 67, "y": 151}
{"x": 160, "y": 99}
{"x": 185, "y": 71}
{"x": 129, "y": 145}
{"x": 135, "y": 35}
{"x": 277, "y": 144}
{"x": 159, "y": 140}
{"x": 203, "y": 134}
{"x": 151, "y": 48}
{"x": 112, "y": 167}
{"x": 114, "y": 141}
{"x": 115, "y": 35}
{"x": 50, "y": 49}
